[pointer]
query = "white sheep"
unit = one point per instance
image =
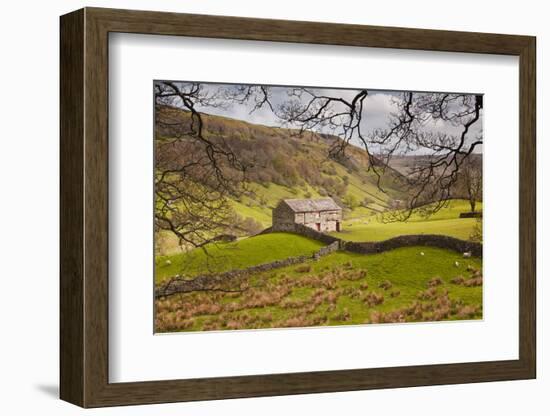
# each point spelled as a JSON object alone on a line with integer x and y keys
{"x": 467, "y": 254}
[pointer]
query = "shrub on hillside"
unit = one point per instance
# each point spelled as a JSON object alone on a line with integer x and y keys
{"x": 250, "y": 226}
{"x": 477, "y": 231}
{"x": 367, "y": 202}
{"x": 350, "y": 201}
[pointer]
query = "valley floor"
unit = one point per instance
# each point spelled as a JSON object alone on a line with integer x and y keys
{"x": 403, "y": 285}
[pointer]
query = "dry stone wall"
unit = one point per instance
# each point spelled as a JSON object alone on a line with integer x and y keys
{"x": 430, "y": 240}
{"x": 223, "y": 280}
{"x": 218, "y": 282}
{"x": 440, "y": 241}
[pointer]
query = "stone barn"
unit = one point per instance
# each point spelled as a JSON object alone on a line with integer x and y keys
{"x": 321, "y": 214}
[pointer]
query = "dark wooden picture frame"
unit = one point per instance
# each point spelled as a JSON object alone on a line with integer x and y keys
{"x": 84, "y": 207}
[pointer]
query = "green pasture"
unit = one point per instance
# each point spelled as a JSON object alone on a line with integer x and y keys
{"x": 406, "y": 269}
{"x": 244, "y": 253}
{"x": 444, "y": 222}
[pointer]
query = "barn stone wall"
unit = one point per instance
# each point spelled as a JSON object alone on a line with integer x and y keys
{"x": 326, "y": 219}
{"x": 282, "y": 218}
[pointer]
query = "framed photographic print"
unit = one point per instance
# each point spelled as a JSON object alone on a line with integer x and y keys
{"x": 335, "y": 207}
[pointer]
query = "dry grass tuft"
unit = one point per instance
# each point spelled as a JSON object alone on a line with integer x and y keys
{"x": 295, "y": 321}
{"x": 293, "y": 303}
{"x": 353, "y": 275}
{"x": 234, "y": 325}
{"x": 397, "y": 316}
{"x": 329, "y": 282}
{"x": 429, "y": 294}
{"x": 386, "y": 284}
{"x": 332, "y": 297}
{"x": 458, "y": 280}
{"x": 435, "y": 281}
{"x": 475, "y": 281}
{"x": 467, "y": 312}
{"x": 372, "y": 299}
{"x": 305, "y": 268}
{"x": 345, "y": 315}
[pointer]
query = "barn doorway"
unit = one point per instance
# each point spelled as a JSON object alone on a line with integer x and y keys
{"x": 318, "y": 225}
{"x": 338, "y": 226}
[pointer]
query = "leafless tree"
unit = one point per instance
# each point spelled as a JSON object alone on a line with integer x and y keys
{"x": 195, "y": 173}
{"x": 256, "y": 96}
{"x": 471, "y": 184}
{"x": 411, "y": 130}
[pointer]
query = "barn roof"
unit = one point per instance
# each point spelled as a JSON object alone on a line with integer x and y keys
{"x": 311, "y": 205}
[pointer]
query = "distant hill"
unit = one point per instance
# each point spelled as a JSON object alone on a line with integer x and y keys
{"x": 404, "y": 163}
{"x": 287, "y": 165}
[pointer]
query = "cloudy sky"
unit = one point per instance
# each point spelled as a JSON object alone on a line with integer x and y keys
{"x": 377, "y": 109}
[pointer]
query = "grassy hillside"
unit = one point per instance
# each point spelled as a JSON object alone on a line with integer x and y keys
{"x": 282, "y": 165}
{"x": 339, "y": 289}
{"x": 237, "y": 255}
{"x": 404, "y": 163}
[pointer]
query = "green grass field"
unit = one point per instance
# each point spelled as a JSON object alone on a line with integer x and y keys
{"x": 336, "y": 290}
{"x": 237, "y": 255}
{"x": 377, "y": 231}
{"x": 444, "y": 222}
{"x": 339, "y": 289}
